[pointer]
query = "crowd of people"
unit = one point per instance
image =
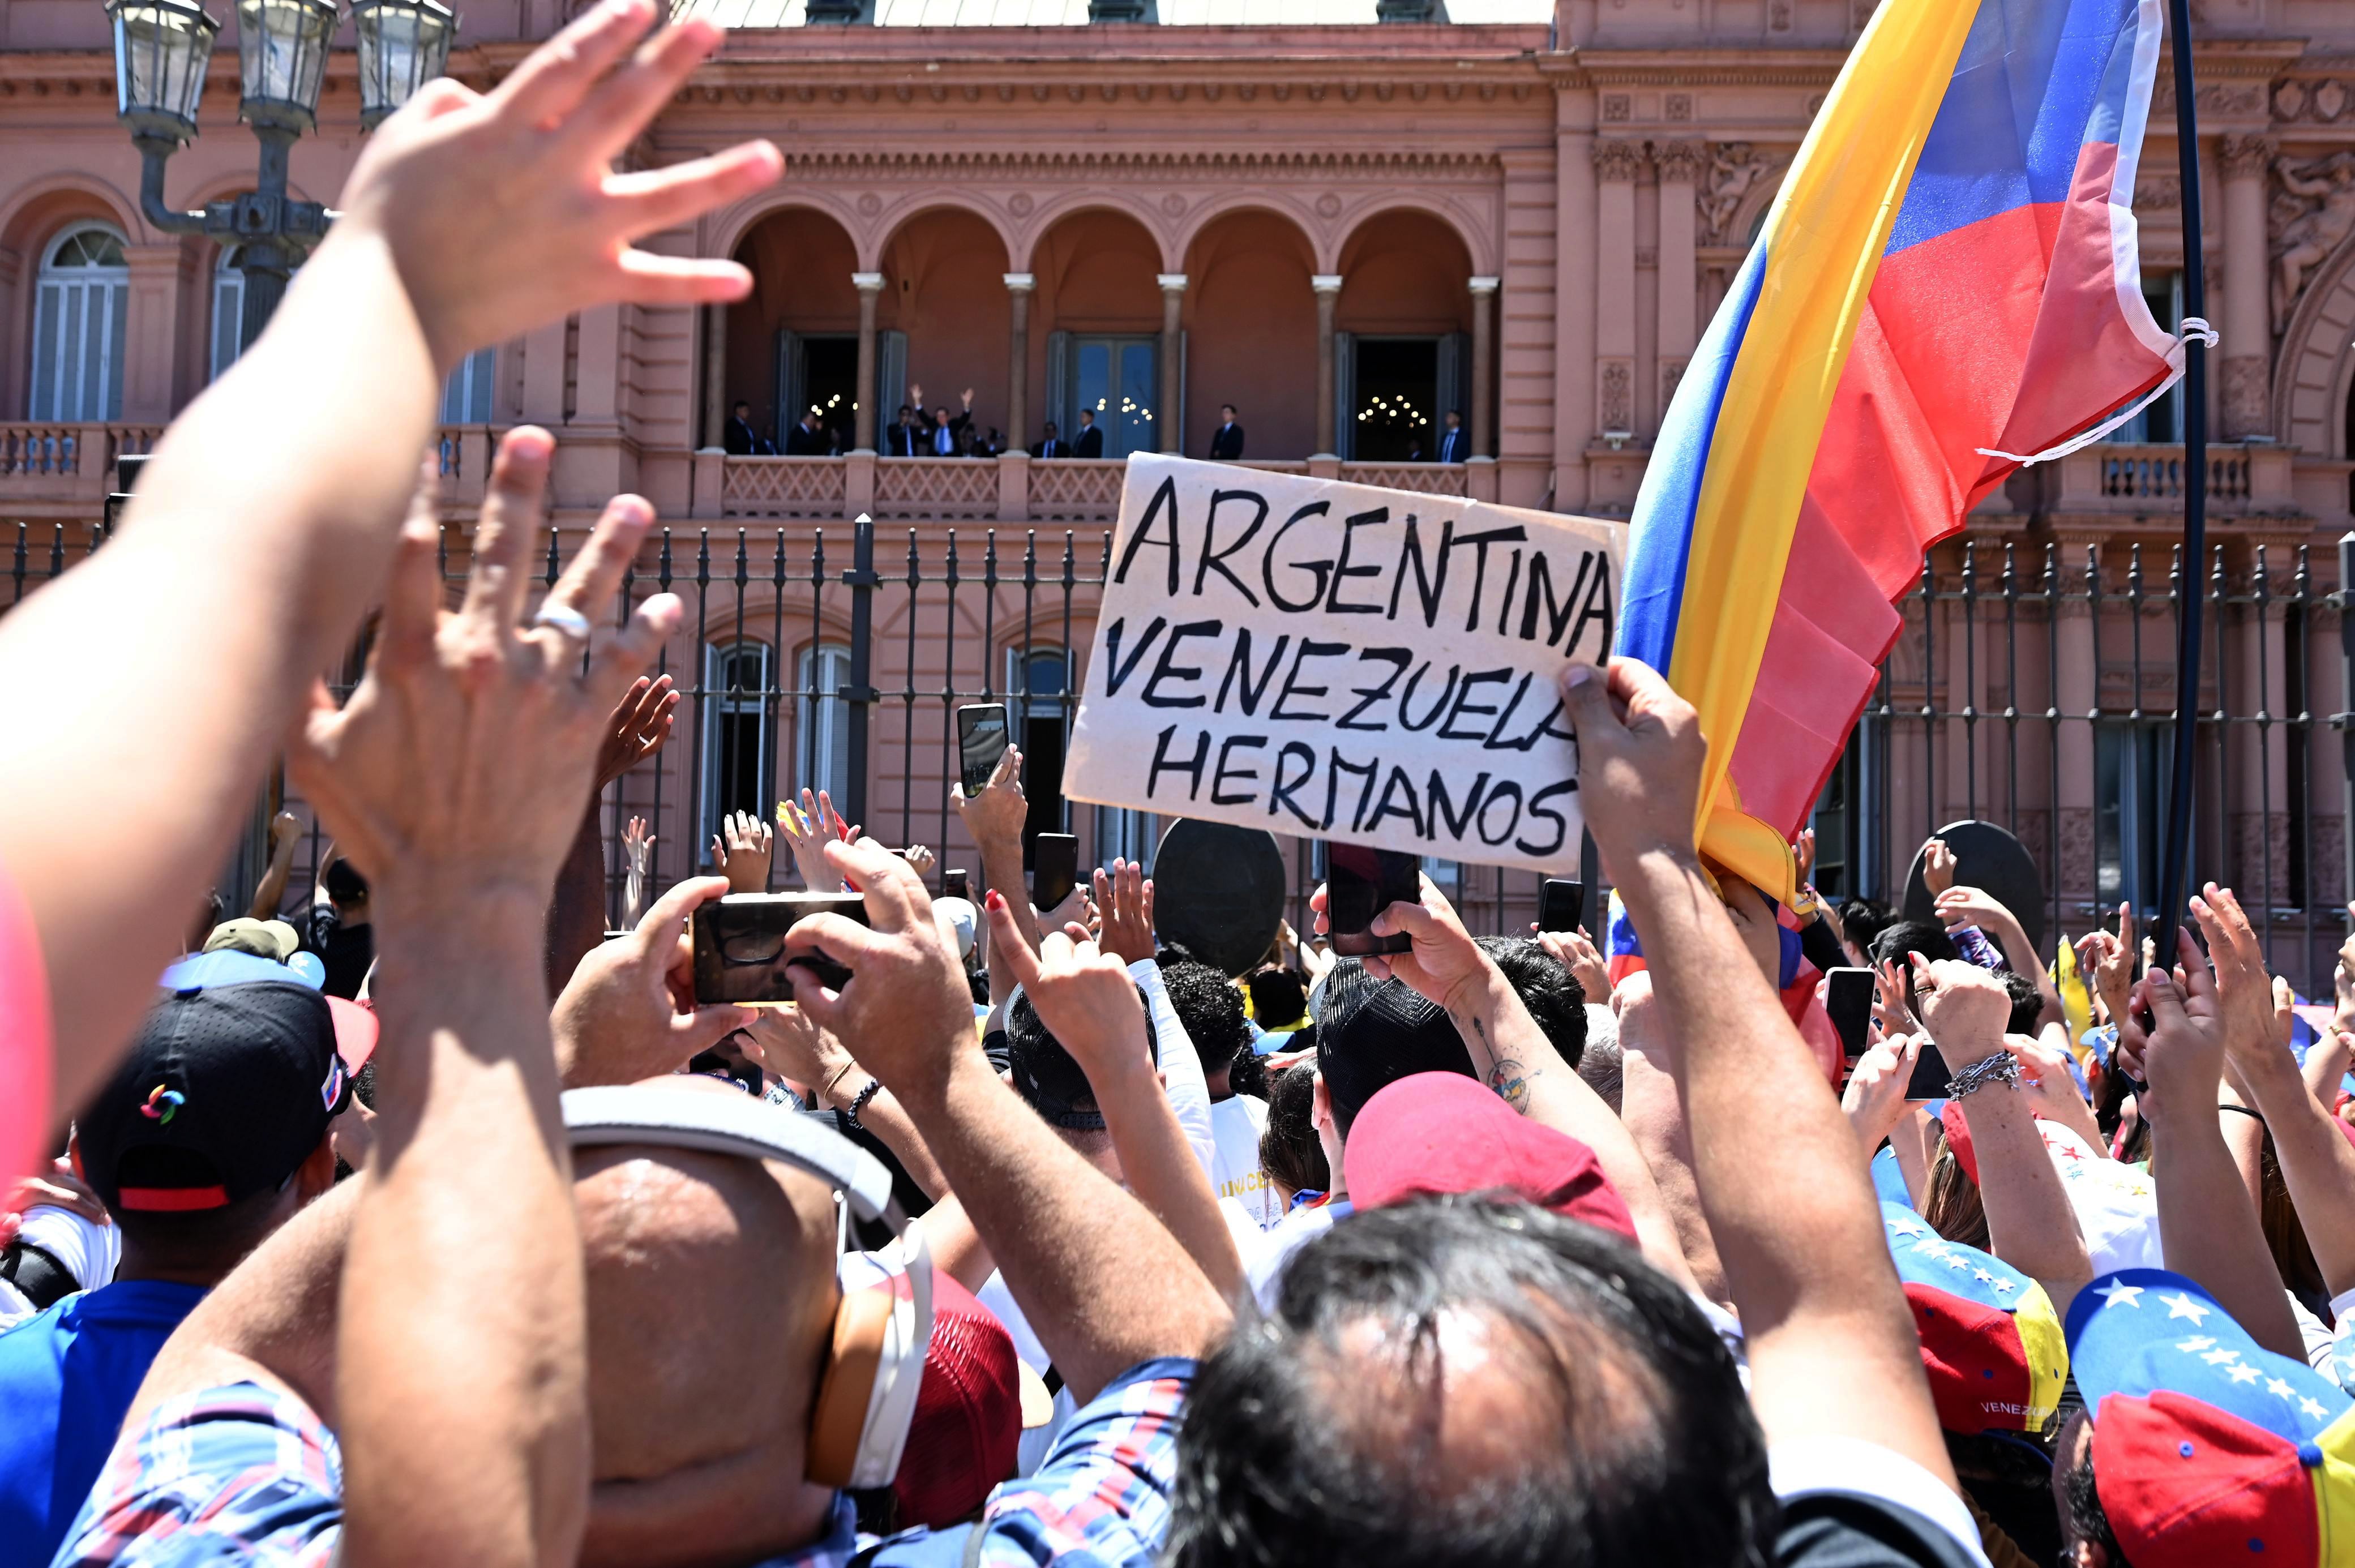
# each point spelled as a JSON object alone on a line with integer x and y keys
{"x": 426, "y": 1222}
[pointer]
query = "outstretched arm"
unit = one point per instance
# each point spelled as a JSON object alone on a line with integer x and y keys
{"x": 450, "y": 779}
{"x": 264, "y": 567}
{"x": 1833, "y": 1350}
{"x": 1071, "y": 1244}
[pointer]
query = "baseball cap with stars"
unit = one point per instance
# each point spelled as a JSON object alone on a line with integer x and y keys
{"x": 1991, "y": 1342}
{"x": 2206, "y": 1448}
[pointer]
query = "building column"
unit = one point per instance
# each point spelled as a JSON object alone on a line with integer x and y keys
{"x": 160, "y": 280}
{"x": 2245, "y": 327}
{"x": 1329, "y": 296}
{"x": 1484, "y": 360}
{"x": 1018, "y": 369}
{"x": 1617, "y": 164}
{"x": 1167, "y": 420}
{"x": 1680, "y": 164}
{"x": 868, "y": 284}
{"x": 2079, "y": 700}
{"x": 715, "y": 372}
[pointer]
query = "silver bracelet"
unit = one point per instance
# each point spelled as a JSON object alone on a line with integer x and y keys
{"x": 2000, "y": 1068}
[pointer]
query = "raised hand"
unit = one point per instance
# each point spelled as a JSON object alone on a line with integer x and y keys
{"x": 906, "y": 1004}
{"x": 1575, "y": 952}
{"x": 1963, "y": 1006}
{"x": 638, "y": 849}
{"x": 640, "y": 726}
{"x": 790, "y": 1045}
{"x": 2255, "y": 1005}
{"x": 919, "y": 860}
{"x": 1082, "y": 993}
{"x": 1000, "y": 809}
{"x": 538, "y": 151}
{"x": 741, "y": 851}
{"x": 1803, "y": 853}
{"x": 1640, "y": 758}
{"x": 2109, "y": 962}
{"x": 1937, "y": 867}
{"x": 1443, "y": 965}
{"x": 629, "y": 1011}
{"x": 1124, "y": 899}
{"x": 2181, "y": 1061}
{"x": 470, "y": 741}
{"x": 1960, "y": 906}
{"x": 1753, "y": 917}
{"x": 1875, "y": 1096}
{"x": 808, "y": 829}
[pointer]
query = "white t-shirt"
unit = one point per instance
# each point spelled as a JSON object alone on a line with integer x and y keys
{"x": 1265, "y": 1265}
{"x": 1236, "y": 1123}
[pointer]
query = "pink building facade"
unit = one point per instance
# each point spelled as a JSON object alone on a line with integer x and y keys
{"x": 1348, "y": 221}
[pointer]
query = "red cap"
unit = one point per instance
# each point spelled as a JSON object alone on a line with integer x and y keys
{"x": 966, "y": 1434}
{"x": 1441, "y": 1132}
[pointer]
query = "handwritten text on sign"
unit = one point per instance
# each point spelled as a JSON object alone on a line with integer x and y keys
{"x": 1342, "y": 662}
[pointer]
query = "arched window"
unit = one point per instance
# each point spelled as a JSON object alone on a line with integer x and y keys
{"x": 822, "y": 720}
{"x": 738, "y": 720}
{"x": 78, "y": 314}
{"x": 1038, "y": 680}
{"x": 229, "y": 311}
{"x": 467, "y": 398}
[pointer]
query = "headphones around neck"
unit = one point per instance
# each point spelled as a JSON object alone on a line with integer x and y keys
{"x": 866, "y": 1395}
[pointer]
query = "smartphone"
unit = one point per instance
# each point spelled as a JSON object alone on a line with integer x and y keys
{"x": 1561, "y": 905}
{"x": 1930, "y": 1075}
{"x": 956, "y": 883}
{"x": 981, "y": 741}
{"x": 1359, "y": 883}
{"x": 1054, "y": 867}
{"x": 739, "y": 945}
{"x": 1847, "y": 998}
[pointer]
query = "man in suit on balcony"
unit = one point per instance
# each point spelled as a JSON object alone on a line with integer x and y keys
{"x": 806, "y": 439}
{"x": 906, "y": 438}
{"x": 943, "y": 436}
{"x": 1454, "y": 440}
{"x": 1227, "y": 441}
{"x": 1053, "y": 444}
{"x": 739, "y": 438}
{"x": 1088, "y": 443}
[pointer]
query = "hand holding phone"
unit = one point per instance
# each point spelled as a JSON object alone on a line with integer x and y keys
{"x": 1359, "y": 883}
{"x": 1847, "y": 999}
{"x": 1561, "y": 905}
{"x": 1054, "y": 869}
{"x": 981, "y": 741}
{"x": 739, "y": 945}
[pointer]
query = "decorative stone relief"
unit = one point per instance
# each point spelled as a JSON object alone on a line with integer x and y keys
{"x": 1733, "y": 168}
{"x": 1618, "y": 107}
{"x": 1617, "y": 402}
{"x": 1681, "y": 106}
{"x": 2312, "y": 212}
{"x": 2247, "y": 409}
{"x": 1680, "y": 162}
{"x": 2245, "y": 158}
{"x": 1619, "y": 160}
{"x": 1671, "y": 372}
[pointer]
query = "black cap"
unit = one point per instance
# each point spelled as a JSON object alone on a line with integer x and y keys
{"x": 1049, "y": 1078}
{"x": 1371, "y": 1033}
{"x": 225, "y": 1094}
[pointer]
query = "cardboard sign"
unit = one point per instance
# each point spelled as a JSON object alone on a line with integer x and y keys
{"x": 1341, "y": 662}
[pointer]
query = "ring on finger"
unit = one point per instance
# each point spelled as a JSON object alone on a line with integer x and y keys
{"x": 564, "y": 618}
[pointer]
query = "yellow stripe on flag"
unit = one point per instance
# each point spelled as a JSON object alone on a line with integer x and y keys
{"x": 1824, "y": 237}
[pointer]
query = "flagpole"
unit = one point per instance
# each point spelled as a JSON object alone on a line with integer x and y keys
{"x": 2177, "y": 855}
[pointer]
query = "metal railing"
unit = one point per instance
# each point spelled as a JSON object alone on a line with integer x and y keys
{"x": 2030, "y": 685}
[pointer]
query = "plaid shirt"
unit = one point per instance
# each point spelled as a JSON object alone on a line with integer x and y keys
{"x": 248, "y": 1476}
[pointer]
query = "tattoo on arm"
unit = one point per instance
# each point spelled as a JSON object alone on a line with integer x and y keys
{"x": 1511, "y": 1080}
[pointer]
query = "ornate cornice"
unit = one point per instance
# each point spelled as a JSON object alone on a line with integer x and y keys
{"x": 2244, "y": 158}
{"x": 860, "y": 167}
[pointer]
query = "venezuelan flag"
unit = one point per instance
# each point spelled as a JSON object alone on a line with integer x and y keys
{"x": 1946, "y": 280}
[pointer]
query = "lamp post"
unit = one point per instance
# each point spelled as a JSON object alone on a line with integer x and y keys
{"x": 161, "y": 50}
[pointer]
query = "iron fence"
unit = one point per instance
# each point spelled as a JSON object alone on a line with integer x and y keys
{"x": 2030, "y": 685}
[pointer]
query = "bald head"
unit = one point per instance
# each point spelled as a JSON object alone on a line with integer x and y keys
{"x": 711, "y": 1296}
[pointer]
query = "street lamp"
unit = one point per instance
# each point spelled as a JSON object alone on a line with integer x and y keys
{"x": 161, "y": 50}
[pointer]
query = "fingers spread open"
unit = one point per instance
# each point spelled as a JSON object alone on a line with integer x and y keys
{"x": 615, "y": 110}
{"x": 560, "y": 74}
{"x": 625, "y": 653}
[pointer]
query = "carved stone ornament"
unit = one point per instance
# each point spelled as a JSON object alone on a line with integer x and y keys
{"x": 1618, "y": 400}
{"x": 2330, "y": 99}
{"x": 1733, "y": 168}
{"x": 2154, "y": 191}
{"x": 1680, "y": 162}
{"x": 2312, "y": 212}
{"x": 1618, "y": 160}
{"x": 1328, "y": 205}
{"x": 1618, "y": 107}
{"x": 1020, "y": 204}
{"x": 2247, "y": 403}
{"x": 2289, "y": 98}
{"x": 2245, "y": 158}
{"x": 1779, "y": 16}
{"x": 1681, "y": 106}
